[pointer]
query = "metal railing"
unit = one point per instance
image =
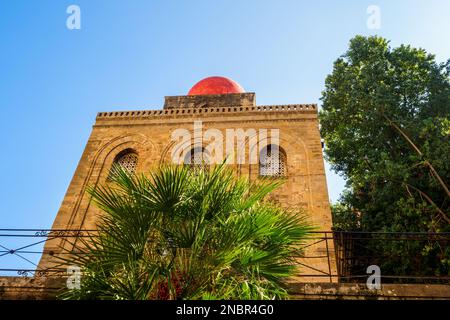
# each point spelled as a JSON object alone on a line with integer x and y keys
{"x": 407, "y": 257}
{"x": 328, "y": 256}
{"x": 22, "y": 249}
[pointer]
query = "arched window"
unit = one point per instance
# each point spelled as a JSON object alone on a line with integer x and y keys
{"x": 127, "y": 159}
{"x": 272, "y": 161}
{"x": 197, "y": 158}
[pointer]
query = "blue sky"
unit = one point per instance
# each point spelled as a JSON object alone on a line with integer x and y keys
{"x": 130, "y": 54}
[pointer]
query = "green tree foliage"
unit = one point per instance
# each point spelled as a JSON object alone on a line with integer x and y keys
{"x": 188, "y": 234}
{"x": 379, "y": 105}
{"x": 385, "y": 121}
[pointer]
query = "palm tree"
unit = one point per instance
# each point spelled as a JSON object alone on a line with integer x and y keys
{"x": 188, "y": 234}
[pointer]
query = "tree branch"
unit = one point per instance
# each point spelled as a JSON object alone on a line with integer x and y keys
{"x": 442, "y": 213}
{"x": 426, "y": 162}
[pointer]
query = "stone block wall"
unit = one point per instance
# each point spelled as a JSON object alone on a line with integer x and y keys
{"x": 148, "y": 133}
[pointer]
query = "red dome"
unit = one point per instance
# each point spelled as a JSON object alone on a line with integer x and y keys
{"x": 215, "y": 85}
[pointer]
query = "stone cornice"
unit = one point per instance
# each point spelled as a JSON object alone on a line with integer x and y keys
{"x": 187, "y": 121}
{"x": 212, "y": 111}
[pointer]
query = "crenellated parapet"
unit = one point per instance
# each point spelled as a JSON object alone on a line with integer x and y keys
{"x": 289, "y": 108}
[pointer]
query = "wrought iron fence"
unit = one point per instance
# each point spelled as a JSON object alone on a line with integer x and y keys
{"x": 22, "y": 249}
{"x": 328, "y": 256}
{"x": 411, "y": 257}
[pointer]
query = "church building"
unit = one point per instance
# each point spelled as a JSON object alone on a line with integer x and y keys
{"x": 216, "y": 120}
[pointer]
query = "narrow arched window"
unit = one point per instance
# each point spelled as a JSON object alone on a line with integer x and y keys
{"x": 197, "y": 158}
{"x": 127, "y": 159}
{"x": 272, "y": 161}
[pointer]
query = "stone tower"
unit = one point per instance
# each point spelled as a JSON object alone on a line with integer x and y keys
{"x": 141, "y": 140}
